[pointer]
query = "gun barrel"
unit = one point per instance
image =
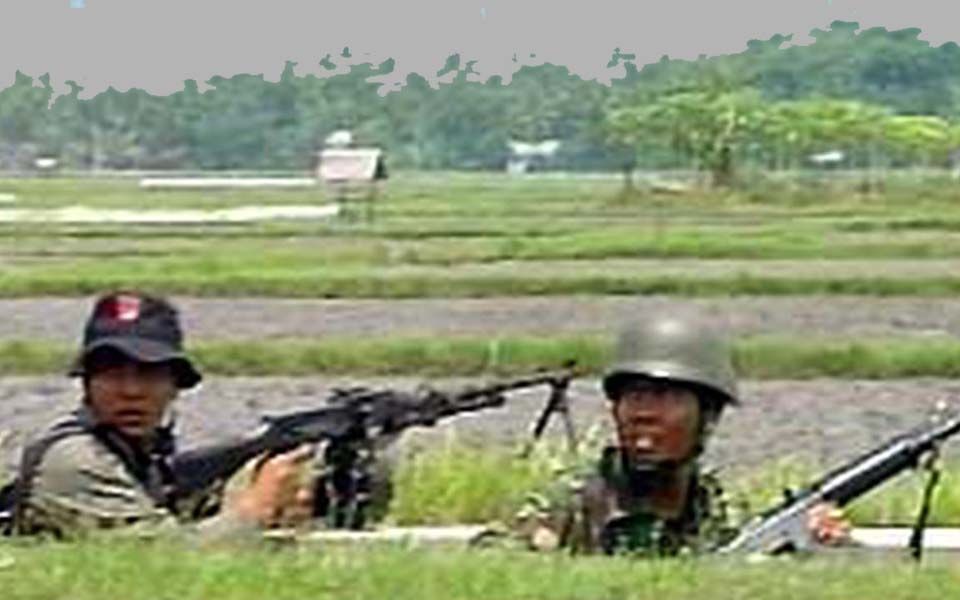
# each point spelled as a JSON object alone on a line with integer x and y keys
{"x": 941, "y": 432}
{"x": 550, "y": 378}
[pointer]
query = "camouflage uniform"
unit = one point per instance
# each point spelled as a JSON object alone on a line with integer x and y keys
{"x": 595, "y": 511}
{"x": 595, "y": 508}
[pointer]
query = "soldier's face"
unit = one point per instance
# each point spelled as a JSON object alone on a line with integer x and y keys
{"x": 657, "y": 421}
{"x": 130, "y": 396}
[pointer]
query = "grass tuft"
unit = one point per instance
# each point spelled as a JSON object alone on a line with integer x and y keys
{"x": 762, "y": 357}
{"x": 164, "y": 571}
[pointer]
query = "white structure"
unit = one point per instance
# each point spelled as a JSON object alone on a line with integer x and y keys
{"x": 339, "y": 139}
{"x": 45, "y": 166}
{"x": 343, "y": 165}
{"x": 45, "y": 163}
{"x": 239, "y": 214}
{"x": 352, "y": 174}
{"x": 827, "y": 158}
{"x": 525, "y": 156}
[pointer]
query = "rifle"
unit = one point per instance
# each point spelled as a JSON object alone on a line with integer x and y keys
{"x": 784, "y": 527}
{"x": 354, "y": 424}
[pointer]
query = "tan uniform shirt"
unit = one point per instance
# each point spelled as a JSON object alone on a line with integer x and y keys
{"x": 81, "y": 485}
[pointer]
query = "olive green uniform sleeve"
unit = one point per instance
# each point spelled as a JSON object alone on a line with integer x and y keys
{"x": 80, "y": 487}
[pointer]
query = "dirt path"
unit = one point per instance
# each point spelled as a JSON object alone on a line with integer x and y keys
{"x": 823, "y": 421}
{"x": 705, "y": 269}
{"x": 61, "y": 320}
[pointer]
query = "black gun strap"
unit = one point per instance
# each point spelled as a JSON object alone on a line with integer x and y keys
{"x": 30, "y": 461}
{"x": 33, "y": 455}
{"x": 916, "y": 536}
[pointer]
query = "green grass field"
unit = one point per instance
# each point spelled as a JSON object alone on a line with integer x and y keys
{"x": 158, "y": 572}
{"x": 757, "y": 357}
{"x": 504, "y": 236}
{"x": 448, "y": 235}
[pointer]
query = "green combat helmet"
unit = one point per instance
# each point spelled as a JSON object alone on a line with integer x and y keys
{"x": 679, "y": 350}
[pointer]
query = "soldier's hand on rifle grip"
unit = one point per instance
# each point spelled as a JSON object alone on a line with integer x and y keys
{"x": 828, "y": 525}
{"x": 275, "y": 493}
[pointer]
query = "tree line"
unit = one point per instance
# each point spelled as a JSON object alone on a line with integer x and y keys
{"x": 884, "y": 98}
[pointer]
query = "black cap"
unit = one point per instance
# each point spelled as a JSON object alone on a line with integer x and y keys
{"x": 143, "y": 327}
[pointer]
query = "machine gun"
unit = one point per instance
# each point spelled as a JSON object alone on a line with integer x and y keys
{"x": 355, "y": 423}
{"x": 784, "y": 527}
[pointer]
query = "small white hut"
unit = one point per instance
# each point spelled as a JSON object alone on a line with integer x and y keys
{"x": 351, "y": 174}
{"x": 526, "y": 157}
{"x": 351, "y": 165}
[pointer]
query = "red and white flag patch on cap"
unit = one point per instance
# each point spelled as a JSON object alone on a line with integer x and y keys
{"x": 124, "y": 308}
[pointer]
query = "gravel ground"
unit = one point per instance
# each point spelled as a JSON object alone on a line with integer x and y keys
{"x": 59, "y": 319}
{"x": 823, "y": 420}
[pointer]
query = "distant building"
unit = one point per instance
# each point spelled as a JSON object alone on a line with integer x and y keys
{"x": 343, "y": 165}
{"x": 526, "y": 157}
{"x": 352, "y": 175}
{"x": 45, "y": 165}
{"x": 832, "y": 157}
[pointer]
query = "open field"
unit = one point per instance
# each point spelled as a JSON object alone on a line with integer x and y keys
{"x": 827, "y": 291}
{"x": 121, "y": 570}
{"x": 758, "y": 357}
{"x": 828, "y": 282}
{"x": 218, "y": 276}
{"x": 504, "y": 236}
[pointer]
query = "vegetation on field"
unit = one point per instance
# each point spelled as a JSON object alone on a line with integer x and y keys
{"x": 755, "y": 357}
{"x": 770, "y": 223}
{"x": 493, "y": 236}
{"x": 97, "y": 570}
{"x": 455, "y": 483}
{"x": 606, "y": 239}
{"x": 363, "y": 284}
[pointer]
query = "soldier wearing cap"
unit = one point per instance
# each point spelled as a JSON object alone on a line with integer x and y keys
{"x": 104, "y": 467}
{"x": 648, "y": 494}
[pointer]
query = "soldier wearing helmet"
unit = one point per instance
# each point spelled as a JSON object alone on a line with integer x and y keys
{"x": 104, "y": 465}
{"x": 670, "y": 382}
